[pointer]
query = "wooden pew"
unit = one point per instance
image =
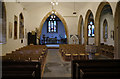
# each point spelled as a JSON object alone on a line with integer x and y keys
{"x": 32, "y": 53}
{"x": 73, "y": 52}
{"x": 95, "y": 69}
{"x": 20, "y": 69}
{"x": 107, "y": 50}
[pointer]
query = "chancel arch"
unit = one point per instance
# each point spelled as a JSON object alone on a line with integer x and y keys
{"x": 61, "y": 19}
{"x": 81, "y": 30}
{"x": 117, "y": 31}
{"x": 89, "y": 28}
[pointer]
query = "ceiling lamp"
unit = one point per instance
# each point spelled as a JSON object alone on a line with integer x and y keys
{"x": 54, "y": 2}
{"x": 74, "y": 12}
{"x": 53, "y": 12}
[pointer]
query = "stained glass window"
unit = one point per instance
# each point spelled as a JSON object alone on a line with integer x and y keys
{"x": 52, "y": 24}
{"x": 91, "y": 28}
{"x": 105, "y": 30}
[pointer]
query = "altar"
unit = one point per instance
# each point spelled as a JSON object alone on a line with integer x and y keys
{"x": 53, "y": 41}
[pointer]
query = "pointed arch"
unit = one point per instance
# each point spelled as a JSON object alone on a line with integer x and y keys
{"x": 97, "y": 22}
{"x": 105, "y": 30}
{"x": 86, "y": 26}
{"x": 60, "y": 17}
{"x": 21, "y": 15}
{"x": 21, "y": 26}
{"x": 80, "y": 28}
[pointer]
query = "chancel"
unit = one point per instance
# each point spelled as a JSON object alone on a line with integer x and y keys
{"x": 53, "y": 31}
{"x": 59, "y": 39}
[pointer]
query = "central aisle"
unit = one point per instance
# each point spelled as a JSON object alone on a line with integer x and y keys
{"x": 55, "y": 66}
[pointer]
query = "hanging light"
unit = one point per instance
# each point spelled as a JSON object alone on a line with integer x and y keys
{"x": 51, "y": 2}
{"x": 54, "y": 2}
{"x": 52, "y": 12}
{"x": 74, "y": 12}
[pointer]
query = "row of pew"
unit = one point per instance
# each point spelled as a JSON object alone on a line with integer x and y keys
{"x": 96, "y": 69}
{"x": 26, "y": 62}
{"x": 73, "y": 52}
{"x": 21, "y": 69}
{"x": 77, "y": 52}
{"x": 107, "y": 50}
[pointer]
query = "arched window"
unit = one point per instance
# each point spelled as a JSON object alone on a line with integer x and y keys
{"x": 21, "y": 26}
{"x": 15, "y": 26}
{"x": 4, "y": 35}
{"x": 105, "y": 30}
{"x": 52, "y": 24}
{"x": 91, "y": 26}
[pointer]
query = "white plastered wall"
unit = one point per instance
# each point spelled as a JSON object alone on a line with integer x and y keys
{"x": 12, "y": 44}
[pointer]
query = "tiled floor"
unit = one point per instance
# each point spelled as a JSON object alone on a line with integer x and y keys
{"x": 55, "y": 67}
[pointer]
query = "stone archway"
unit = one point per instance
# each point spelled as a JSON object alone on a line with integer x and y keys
{"x": 86, "y": 27}
{"x": 80, "y": 29}
{"x": 97, "y": 22}
{"x": 117, "y": 31}
{"x": 60, "y": 17}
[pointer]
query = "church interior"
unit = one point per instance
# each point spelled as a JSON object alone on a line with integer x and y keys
{"x": 59, "y": 39}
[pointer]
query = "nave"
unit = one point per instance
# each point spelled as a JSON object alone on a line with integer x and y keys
{"x": 40, "y": 62}
{"x": 86, "y": 34}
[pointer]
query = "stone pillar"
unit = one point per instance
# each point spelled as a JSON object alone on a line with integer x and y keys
{"x": 117, "y": 33}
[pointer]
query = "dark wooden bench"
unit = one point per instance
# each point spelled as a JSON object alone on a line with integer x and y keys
{"x": 21, "y": 69}
{"x": 96, "y": 69}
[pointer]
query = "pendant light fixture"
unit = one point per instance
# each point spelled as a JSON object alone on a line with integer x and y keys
{"x": 74, "y": 12}
{"x": 54, "y": 3}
